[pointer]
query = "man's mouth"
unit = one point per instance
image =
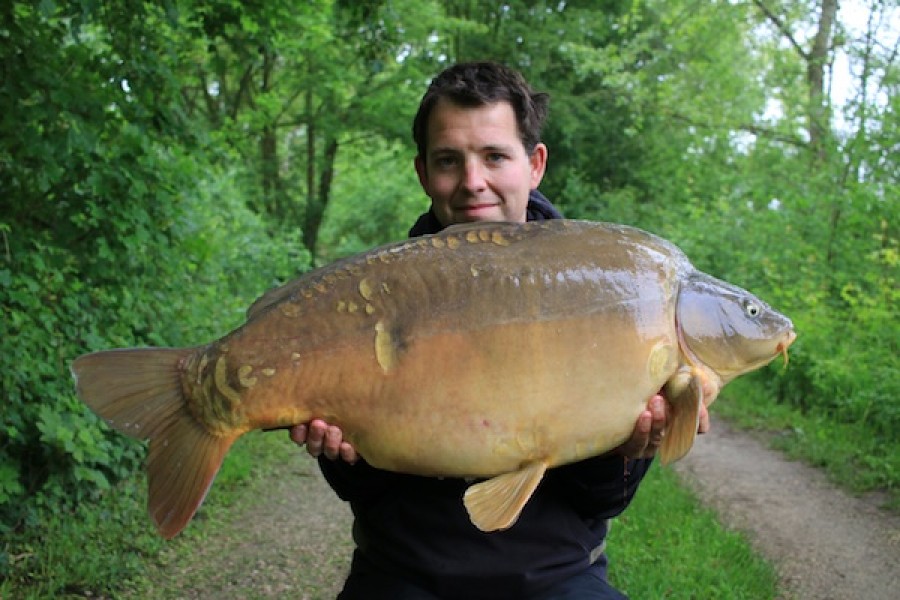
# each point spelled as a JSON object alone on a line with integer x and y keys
{"x": 474, "y": 208}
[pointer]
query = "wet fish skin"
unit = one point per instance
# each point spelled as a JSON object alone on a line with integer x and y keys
{"x": 488, "y": 350}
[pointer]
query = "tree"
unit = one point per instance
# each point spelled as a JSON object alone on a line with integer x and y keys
{"x": 286, "y": 88}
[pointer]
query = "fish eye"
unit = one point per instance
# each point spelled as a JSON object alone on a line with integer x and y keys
{"x": 752, "y": 309}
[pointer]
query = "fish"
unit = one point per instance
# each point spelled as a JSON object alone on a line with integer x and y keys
{"x": 489, "y": 351}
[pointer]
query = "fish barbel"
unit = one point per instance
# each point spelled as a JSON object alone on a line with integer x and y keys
{"x": 490, "y": 350}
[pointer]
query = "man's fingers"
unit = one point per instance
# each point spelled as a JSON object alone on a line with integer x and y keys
{"x": 332, "y": 442}
{"x": 348, "y": 453}
{"x": 315, "y": 437}
{"x": 298, "y": 434}
{"x": 657, "y": 408}
{"x": 657, "y": 426}
{"x": 637, "y": 444}
{"x": 321, "y": 438}
{"x": 704, "y": 420}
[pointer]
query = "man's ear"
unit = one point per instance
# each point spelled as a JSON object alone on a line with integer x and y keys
{"x": 538, "y": 160}
{"x": 421, "y": 172}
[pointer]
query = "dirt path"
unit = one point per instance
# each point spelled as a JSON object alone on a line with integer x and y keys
{"x": 827, "y": 544}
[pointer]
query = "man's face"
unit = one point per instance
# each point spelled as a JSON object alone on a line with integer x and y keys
{"x": 476, "y": 168}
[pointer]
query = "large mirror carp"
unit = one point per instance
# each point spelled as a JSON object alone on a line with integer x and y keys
{"x": 492, "y": 351}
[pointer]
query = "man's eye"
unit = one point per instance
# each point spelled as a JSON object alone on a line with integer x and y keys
{"x": 443, "y": 162}
{"x": 495, "y": 157}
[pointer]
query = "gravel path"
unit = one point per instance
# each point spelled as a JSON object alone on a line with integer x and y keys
{"x": 828, "y": 545}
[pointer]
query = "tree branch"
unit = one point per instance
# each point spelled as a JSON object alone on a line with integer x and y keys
{"x": 782, "y": 27}
{"x": 757, "y": 130}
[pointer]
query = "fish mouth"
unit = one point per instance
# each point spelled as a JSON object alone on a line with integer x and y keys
{"x": 782, "y": 347}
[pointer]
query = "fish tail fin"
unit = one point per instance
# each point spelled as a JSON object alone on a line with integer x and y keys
{"x": 138, "y": 392}
{"x": 685, "y": 395}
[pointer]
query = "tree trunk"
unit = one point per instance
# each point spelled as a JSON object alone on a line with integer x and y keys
{"x": 268, "y": 150}
{"x": 817, "y": 59}
{"x": 317, "y": 203}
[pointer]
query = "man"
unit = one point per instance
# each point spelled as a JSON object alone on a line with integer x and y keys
{"x": 480, "y": 158}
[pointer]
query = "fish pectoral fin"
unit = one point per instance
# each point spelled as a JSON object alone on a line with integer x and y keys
{"x": 685, "y": 395}
{"x": 496, "y": 503}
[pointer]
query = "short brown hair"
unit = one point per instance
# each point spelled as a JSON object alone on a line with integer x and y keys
{"x": 473, "y": 84}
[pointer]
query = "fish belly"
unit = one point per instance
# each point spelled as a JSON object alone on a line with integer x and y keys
{"x": 506, "y": 396}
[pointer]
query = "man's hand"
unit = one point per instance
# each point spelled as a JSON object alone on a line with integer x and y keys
{"x": 650, "y": 429}
{"x": 322, "y": 438}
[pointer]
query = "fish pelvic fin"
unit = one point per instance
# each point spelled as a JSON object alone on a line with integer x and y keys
{"x": 685, "y": 395}
{"x": 138, "y": 392}
{"x": 496, "y": 504}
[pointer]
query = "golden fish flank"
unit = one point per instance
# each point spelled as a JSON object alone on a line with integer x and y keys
{"x": 585, "y": 322}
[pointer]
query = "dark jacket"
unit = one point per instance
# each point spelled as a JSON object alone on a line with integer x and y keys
{"x": 417, "y": 529}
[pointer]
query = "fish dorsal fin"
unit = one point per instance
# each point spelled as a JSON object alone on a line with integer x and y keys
{"x": 496, "y": 503}
{"x": 684, "y": 391}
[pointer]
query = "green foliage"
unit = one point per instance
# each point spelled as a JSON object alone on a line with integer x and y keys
{"x": 110, "y": 238}
{"x": 77, "y": 561}
{"x": 188, "y": 287}
{"x": 367, "y": 212}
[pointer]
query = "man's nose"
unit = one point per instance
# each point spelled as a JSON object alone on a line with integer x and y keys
{"x": 473, "y": 178}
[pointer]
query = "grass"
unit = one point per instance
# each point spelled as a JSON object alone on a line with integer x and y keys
{"x": 853, "y": 456}
{"x": 666, "y": 545}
